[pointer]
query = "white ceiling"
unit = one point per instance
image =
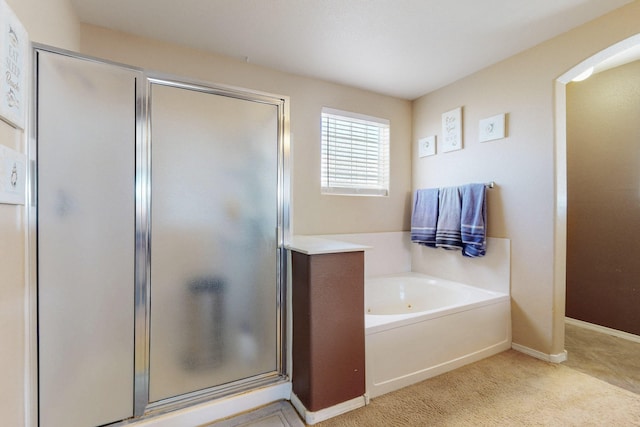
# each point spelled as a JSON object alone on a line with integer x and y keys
{"x": 403, "y": 48}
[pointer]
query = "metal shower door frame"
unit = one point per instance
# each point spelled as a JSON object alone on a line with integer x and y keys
{"x": 142, "y": 187}
{"x": 142, "y": 404}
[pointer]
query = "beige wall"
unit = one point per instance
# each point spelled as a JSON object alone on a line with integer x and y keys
{"x": 603, "y": 180}
{"x": 522, "y": 207}
{"x": 12, "y": 299}
{"x": 51, "y": 22}
{"x": 313, "y": 213}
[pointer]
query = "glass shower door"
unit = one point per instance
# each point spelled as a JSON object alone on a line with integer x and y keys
{"x": 86, "y": 125}
{"x": 214, "y": 245}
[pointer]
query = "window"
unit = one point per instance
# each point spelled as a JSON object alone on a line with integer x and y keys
{"x": 355, "y": 154}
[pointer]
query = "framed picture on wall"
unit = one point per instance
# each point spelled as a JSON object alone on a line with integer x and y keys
{"x": 13, "y": 176}
{"x": 427, "y": 146}
{"x": 452, "y": 130}
{"x": 492, "y": 128}
{"x": 14, "y": 51}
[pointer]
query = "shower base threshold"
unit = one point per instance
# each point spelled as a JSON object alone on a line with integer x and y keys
{"x": 278, "y": 414}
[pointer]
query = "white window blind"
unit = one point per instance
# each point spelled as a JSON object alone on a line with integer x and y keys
{"x": 355, "y": 154}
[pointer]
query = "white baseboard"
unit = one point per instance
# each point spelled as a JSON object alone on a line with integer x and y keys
{"x": 553, "y": 358}
{"x": 603, "y": 329}
{"x": 324, "y": 414}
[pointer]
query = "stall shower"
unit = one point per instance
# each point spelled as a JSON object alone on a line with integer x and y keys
{"x": 161, "y": 207}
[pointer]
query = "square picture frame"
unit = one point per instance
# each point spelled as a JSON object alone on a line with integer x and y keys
{"x": 492, "y": 128}
{"x": 427, "y": 146}
{"x": 13, "y": 176}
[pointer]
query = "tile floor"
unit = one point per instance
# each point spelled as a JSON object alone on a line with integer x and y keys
{"x": 279, "y": 414}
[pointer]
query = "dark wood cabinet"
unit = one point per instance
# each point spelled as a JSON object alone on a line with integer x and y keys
{"x": 328, "y": 328}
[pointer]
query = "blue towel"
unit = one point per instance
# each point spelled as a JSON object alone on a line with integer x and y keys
{"x": 473, "y": 222}
{"x": 424, "y": 217}
{"x": 448, "y": 234}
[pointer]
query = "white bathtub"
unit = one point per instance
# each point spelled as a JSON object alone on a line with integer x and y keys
{"x": 419, "y": 326}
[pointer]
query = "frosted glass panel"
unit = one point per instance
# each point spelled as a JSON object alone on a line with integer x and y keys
{"x": 86, "y": 165}
{"x": 213, "y": 250}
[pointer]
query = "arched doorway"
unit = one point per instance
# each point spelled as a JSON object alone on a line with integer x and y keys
{"x": 618, "y": 54}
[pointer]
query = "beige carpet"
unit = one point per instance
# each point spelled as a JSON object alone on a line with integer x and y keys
{"x": 509, "y": 389}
